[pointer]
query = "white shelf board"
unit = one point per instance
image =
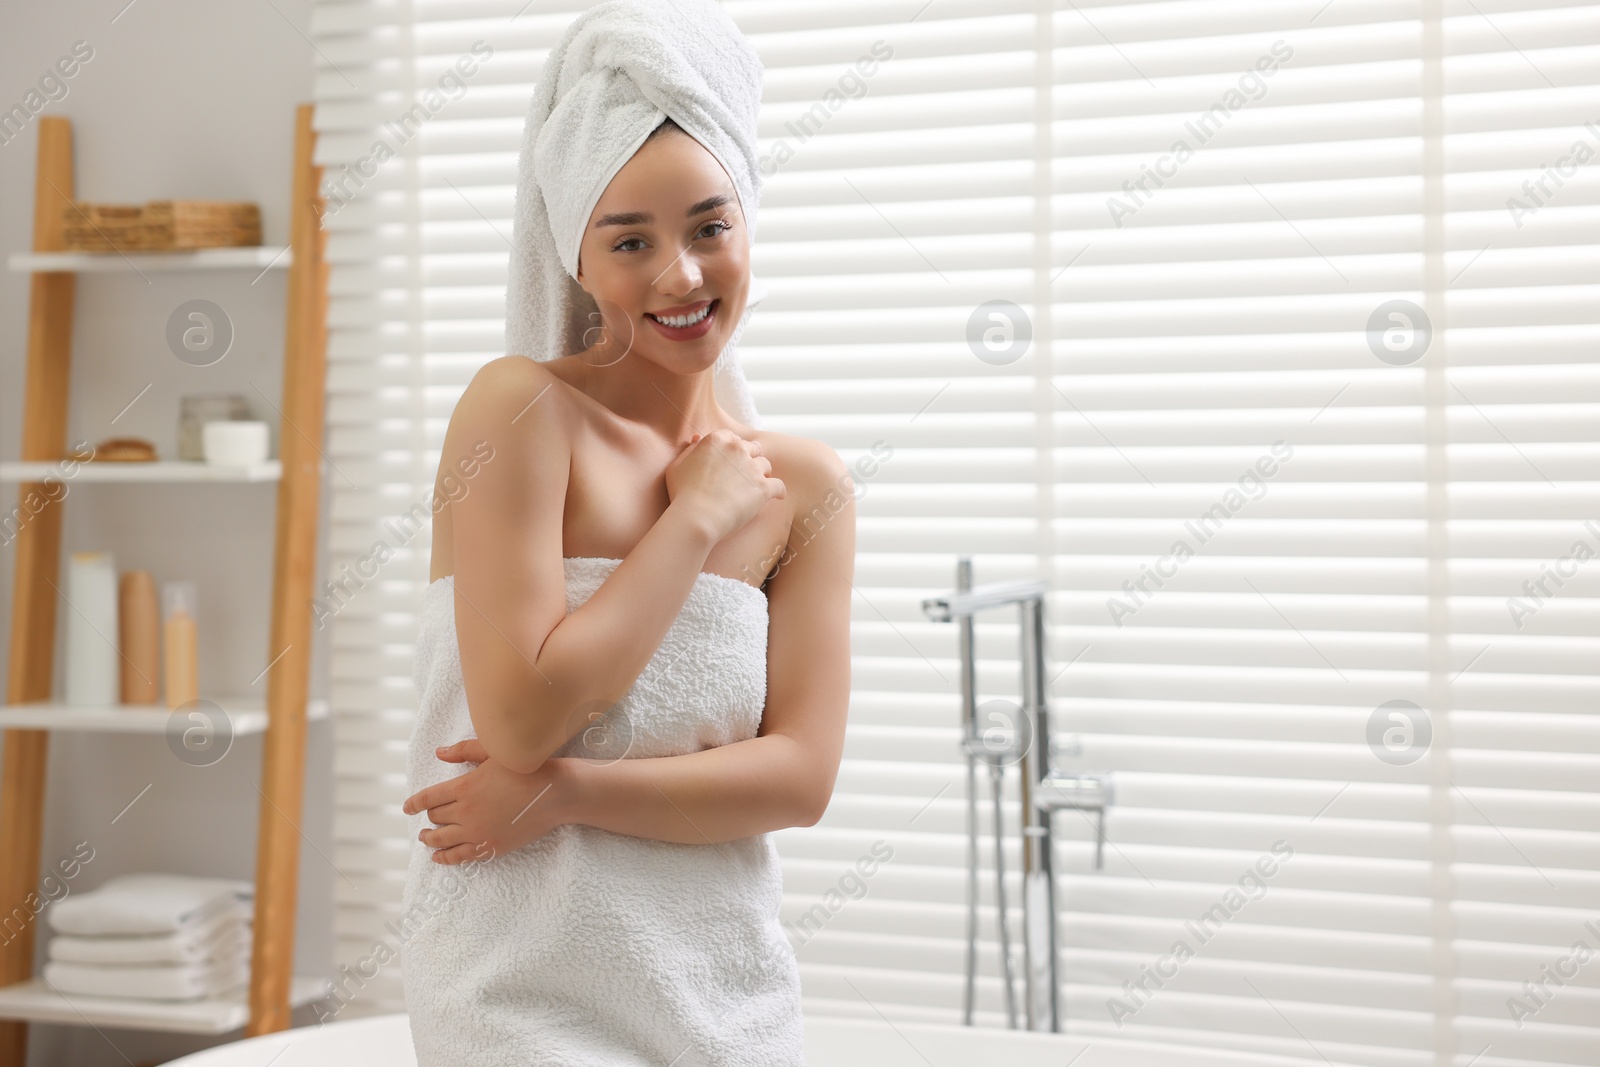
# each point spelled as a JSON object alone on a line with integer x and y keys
{"x": 35, "y": 1001}
{"x": 247, "y": 714}
{"x": 258, "y": 257}
{"x": 173, "y": 470}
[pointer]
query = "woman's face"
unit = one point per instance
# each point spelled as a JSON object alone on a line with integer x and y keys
{"x": 666, "y": 241}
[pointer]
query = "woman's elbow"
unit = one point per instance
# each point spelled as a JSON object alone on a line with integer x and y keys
{"x": 518, "y": 746}
{"x": 524, "y": 762}
{"x": 525, "y": 757}
{"x": 814, "y": 806}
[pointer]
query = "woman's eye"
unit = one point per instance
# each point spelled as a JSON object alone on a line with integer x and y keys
{"x": 717, "y": 227}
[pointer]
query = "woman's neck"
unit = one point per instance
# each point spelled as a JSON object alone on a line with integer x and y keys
{"x": 674, "y": 406}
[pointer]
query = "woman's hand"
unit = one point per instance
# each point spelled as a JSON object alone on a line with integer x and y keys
{"x": 490, "y": 810}
{"x": 724, "y": 479}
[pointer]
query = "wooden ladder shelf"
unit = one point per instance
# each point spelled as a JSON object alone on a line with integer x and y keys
{"x": 273, "y": 988}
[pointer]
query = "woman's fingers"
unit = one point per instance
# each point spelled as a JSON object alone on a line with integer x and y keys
{"x": 468, "y": 750}
{"x": 445, "y": 792}
{"x": 459, "y": 854}
{"x": 432, "y": 799}
{"x": 442, "y": 836}
{"x": 434, "y": 796}
{"x": 440, "y": 814}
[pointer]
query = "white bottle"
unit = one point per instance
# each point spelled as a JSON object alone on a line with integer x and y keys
{"x": 93, "y": 677}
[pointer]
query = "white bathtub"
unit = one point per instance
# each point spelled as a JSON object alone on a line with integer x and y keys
{"x": 385, "y": 1041}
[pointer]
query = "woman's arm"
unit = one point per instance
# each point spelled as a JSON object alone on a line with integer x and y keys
{"x": 782, "y": 777}
{"x": 531, "y": 669}
{"x": 699, "y": 798}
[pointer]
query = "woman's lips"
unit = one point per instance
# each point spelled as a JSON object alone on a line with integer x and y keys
{"x": 686, "y": 333}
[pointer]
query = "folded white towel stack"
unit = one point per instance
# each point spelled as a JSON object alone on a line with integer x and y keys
{"x": 153, "y": 937}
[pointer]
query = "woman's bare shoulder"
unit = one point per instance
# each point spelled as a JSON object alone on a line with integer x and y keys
{"x": 510, "y": 398}
{"x": 805, "y": 456}
{"x": 820, "y": 494}
{"x": 809, "y": 463}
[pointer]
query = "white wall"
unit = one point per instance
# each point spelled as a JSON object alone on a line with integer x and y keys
{"x": 181, "y": 99}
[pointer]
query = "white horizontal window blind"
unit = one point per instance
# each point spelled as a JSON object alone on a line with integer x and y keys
{"x": 1326, "y": 403}
{"x": 1265, "y": 331}
{"x": 1520, "y": 399}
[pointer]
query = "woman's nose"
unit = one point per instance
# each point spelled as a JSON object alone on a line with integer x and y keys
{"x": 682, "y": 274}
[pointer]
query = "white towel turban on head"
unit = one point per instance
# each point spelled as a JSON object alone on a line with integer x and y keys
{"x": 620, "y": 68}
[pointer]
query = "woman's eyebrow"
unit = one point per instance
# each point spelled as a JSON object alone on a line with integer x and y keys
{"x": 710, "y": 203}
{"x": 640, "y": 218}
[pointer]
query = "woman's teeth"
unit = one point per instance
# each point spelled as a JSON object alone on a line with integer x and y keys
{"x": 681, "y": 321}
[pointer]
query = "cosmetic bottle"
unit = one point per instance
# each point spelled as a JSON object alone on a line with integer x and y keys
{"x": 139, "y": 638}
{"x": 92, "y": 673}
{"x": 180, "y": 640}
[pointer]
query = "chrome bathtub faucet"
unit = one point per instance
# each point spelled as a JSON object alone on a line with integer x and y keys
{"x": 1023, "y": 737}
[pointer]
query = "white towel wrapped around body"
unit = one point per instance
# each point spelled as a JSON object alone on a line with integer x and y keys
{"x": 148, "y": 903}
{"x": 588, "y": 948}
{"x": 620, "y": 68}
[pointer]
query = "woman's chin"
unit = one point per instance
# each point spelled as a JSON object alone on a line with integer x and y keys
{"x": 679, "y": 361}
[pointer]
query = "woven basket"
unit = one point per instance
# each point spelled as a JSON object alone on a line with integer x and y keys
{"x": 160, "y": 225}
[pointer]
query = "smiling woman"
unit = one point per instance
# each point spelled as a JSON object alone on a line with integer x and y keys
{"x": 613, "y": 719}
{"x": 707, "y": 255}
